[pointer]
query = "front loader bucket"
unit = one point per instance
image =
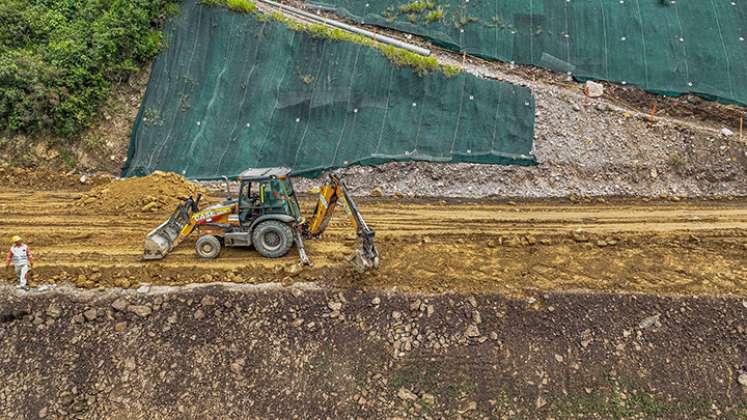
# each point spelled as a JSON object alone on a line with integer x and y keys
{"x": 160, "y": 241}
{"x": 163, "y": 239}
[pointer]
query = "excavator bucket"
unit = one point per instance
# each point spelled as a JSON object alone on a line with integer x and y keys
{"x": 363, "y": 263}
{"x": 366, "y": 257}
{"x": 163, "y": 239}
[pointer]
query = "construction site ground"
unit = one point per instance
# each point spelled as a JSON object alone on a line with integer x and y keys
{"x": 426, "y": 245}
{"x": 481, "y": 309}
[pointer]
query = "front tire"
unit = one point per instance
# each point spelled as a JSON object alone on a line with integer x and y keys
{"x": 272, "y": 239}
{"x": 208, "y": 246}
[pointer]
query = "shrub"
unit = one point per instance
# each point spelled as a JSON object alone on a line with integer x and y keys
{"x": 59, "y": 58}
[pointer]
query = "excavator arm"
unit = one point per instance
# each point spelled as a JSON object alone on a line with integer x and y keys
{"x": 333, "y": 191}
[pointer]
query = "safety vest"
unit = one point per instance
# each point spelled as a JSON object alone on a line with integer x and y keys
{"x": 19, "y": 255}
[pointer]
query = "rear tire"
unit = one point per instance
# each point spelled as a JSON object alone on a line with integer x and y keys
{"x": 272, "y": 239}
{"x": 208, "y": 246}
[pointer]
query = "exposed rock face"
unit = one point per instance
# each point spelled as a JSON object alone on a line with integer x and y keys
{"x": 278, "y": 353}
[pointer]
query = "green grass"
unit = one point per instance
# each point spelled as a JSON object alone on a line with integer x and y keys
{"x": 436, "y": 15}
{"x": 417, "y": 6}
{"x": 241, "y": 6}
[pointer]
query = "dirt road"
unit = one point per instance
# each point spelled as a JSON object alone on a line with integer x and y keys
{"x": 429, "y": 246}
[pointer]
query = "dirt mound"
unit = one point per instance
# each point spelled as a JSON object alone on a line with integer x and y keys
{"x": 153, "y": 193}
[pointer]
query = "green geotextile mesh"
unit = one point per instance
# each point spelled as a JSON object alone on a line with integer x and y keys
{"x": 233, "y": 91}
{"x": 664, "y": 46}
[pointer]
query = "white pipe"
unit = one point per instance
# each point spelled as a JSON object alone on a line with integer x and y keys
{"x": 381, "y": 38}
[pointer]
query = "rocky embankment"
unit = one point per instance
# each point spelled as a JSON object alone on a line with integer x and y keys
{"x": 238, "y": 351}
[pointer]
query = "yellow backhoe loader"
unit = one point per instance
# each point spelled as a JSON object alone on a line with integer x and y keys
{"x": 265, "y": 215}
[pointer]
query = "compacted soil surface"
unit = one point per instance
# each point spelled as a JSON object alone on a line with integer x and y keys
{"x": 426, "y": 246}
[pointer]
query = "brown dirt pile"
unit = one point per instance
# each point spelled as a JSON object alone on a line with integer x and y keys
{"x": 155, "y": 192}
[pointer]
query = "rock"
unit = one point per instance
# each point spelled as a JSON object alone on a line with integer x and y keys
{"x": 415, "y": 306}
{"x": 472, "y": 301}
{"x": 91, "y": 314}
{"x": 559, "y": 358}
{"x": 513, "y": 242}
{"x": 199, "y": 314}
{"x": 744, "y": 303}
{"x": 476, "y": 318}
{"x": 54, "y": 311}
{"x": 140, "y": 310}
{"x": 579, "y": 236}
{"x": 593, "y": 89}
{"x": 153, "y": 205}
{"x": 396, "y": 315}
{"x": 143, "y": 289}
{"x": 576, "y": 107}
{"x": 742, "y": 379}
{"x": 472, "y": 331}
{"x": 120, "y": 326}
{"x": 207, "y": 300}
{"x": 120, "y": 304}
{"x": 83, "y": 179}
{"x": 428, "y": 398}
{"x": 377, "y": 192}
{"x": 297, "y": 322}
{"x": 651, "y": 321}
{"x": 334, "y": 306}
{"x": 237, "y": 366}
{"x": 429, "y": 310}
{"x": 43, "y": 413}
{"x": 406, "y": 394}
{"x": 726, "y": 132}
{"x": 376, "y": 301}
{"x": 541, "y": 402}
{"x": 294, "y": 269}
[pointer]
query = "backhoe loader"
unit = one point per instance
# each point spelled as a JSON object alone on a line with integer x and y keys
{"x": 265, "y": 215}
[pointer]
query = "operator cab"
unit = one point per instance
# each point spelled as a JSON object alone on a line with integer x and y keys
{"x": 266, "y": 191}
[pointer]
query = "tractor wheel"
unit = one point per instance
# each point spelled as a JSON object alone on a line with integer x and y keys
{"x": 272, "y": 239}
{"x": 208, "y": 246}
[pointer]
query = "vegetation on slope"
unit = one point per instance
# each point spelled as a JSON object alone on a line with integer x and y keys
{"x": 59, "y": 58}
{"x": 401, "y": 57}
